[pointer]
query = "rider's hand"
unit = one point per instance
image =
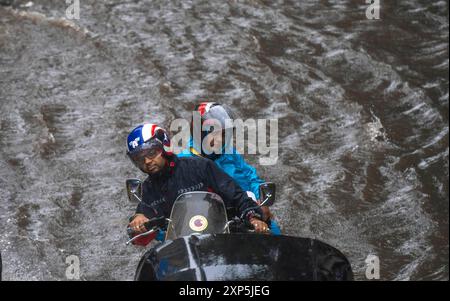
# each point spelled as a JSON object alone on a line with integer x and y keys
{"x": 137, "y": 224}
{"x": 266, "y": 213}
{"x": 260, "y": 226}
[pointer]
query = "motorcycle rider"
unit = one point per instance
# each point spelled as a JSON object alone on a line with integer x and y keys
{"x": 225, "y": 155}
{"x": 169, "y": 176}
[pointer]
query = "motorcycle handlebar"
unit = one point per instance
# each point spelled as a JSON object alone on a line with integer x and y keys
{"x": 156, "y": 222}
{"x": 152, "y": 224}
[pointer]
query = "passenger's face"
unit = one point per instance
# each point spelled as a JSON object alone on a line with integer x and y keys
{"x": 214, "y": 141}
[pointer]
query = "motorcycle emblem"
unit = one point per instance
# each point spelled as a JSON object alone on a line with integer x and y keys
{"x": 198, "y": 223}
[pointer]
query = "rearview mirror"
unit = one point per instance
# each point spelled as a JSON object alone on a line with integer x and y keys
{"x": 134, "y": 190}
{"x": 267, "y": 193}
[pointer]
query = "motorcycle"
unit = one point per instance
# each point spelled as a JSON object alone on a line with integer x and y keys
{"x": 201, "y": 243}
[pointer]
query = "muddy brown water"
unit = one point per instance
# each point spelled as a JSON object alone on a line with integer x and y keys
{"x": 362, "y": 108}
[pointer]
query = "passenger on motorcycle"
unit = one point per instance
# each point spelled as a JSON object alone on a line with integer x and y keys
{"x": 222, "y": 152}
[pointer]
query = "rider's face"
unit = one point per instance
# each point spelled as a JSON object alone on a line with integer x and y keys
{"x": 154, "y": 164}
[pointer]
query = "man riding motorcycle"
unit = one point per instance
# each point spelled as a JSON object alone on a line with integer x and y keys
{"x": 225, "y": 155}
{"x": 170, "y": 176}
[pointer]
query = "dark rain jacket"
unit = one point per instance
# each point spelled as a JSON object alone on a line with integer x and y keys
{"x": 188, "y": 174}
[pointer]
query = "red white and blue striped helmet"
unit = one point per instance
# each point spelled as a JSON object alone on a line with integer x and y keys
{"x": 148, "y": 135}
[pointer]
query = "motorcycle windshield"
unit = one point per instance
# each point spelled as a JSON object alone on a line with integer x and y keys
{"x": 197, "y": 212}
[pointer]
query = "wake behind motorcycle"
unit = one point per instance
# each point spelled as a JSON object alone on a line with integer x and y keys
{"x": 202, "y": 243}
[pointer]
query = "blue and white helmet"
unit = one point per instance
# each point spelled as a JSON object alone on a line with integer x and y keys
{"x": 147, "y": 136}
{"x": 142, "y": 134}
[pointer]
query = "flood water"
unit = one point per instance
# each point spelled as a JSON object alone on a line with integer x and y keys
{"x": 362, "y": 107}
